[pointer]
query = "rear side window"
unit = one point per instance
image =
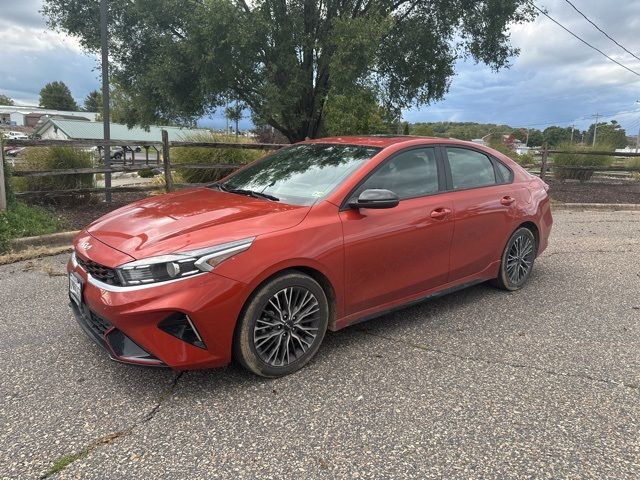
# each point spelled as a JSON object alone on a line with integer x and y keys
{"x": 409, "y": 174}
{"x": 507, "y": 175}
{"x": 470, "y": 169}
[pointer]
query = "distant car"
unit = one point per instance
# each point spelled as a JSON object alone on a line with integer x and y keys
{"x": 314, "y": 237}
{"x": 17, "y": 136}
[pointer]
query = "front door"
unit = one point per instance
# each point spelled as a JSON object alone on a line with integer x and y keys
{"x": 394, "y": 253}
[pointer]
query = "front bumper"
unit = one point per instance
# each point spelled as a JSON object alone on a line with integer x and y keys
{"x": 119, "y": 347}
{"x": 125, "y": 321}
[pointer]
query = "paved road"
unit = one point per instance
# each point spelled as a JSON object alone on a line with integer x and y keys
{"x": 542, "y": 383}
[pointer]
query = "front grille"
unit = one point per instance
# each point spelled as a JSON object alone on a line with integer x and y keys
{"x": 99, "y": 272}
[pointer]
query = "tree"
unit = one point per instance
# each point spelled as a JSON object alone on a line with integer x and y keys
{"x": 57, "y": 96}
{"x": 610, "y": 134}
{"x": 355, "y": 113}
{"x": 4, "y": 100}
{"x": 234, "y": 114}
{"x": 422, "y": 130}
{"x": 536, "y": 139}
{"x": 285, "y": 58}
{"x": 555, "y": 136}
{"x": 93, "y": 102}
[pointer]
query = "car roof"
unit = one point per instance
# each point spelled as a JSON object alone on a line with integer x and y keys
{"x": 384, "y": 141}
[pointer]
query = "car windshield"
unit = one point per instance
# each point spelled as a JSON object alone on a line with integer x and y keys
{"x": 299, "y": 175}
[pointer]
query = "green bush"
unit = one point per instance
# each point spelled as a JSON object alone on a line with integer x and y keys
{"x": 633, "y": 162}
{"x": 232, "y": 156}
{"x": 21, "y": 220}
{"x": 579, "y": 157}
{"x": 146, "y": 173}
{"x": 55, "y": 158}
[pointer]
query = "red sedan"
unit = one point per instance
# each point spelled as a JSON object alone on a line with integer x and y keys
{"x": 315, "y": 236}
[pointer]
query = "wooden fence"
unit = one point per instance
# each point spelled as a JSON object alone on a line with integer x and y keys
{"x": 545, "y": 165}
{"x": 164, "y": 145}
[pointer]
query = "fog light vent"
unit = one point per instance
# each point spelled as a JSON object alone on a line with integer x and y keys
{"x": 180, "y": 326}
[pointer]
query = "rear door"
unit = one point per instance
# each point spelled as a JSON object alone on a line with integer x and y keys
{"x": 393, "y": 253}
{"x": 485, "y": 203}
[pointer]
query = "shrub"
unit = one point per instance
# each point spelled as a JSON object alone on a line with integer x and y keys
{"x": 21, "y": 220}
{"x": 580, "y": 158}
{"x": 233, "y": 156}
{"x": 146, "y": 173}
{"x": 55, "y": 158}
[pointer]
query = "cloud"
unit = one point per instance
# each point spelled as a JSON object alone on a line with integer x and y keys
{"x": 556, "y": 78}
{"x": 31, "y": 55}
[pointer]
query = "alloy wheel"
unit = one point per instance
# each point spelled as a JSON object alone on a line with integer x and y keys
{"x": 520, "y": 258}
{"x": 287, "y": 326}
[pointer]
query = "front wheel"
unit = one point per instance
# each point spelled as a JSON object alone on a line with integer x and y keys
{"x": 517, "y": 260}
{"x": 282, "y": 325}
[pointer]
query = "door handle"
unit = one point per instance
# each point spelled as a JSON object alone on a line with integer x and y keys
{"x": 507, "y": 200}
{"x": 440, "y": 213}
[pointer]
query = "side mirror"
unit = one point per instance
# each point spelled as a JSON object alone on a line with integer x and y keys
{"x": 376, "y": 198}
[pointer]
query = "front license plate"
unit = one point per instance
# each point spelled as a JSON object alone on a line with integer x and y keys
{"x": 75, "y": 289}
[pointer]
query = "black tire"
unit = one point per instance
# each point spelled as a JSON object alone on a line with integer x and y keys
{"x": 517, "y": 260}
{"x": 294, "y": 334}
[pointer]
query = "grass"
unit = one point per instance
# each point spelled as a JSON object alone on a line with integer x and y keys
{"x": 22, "y": 220}
{"x": 201, "y": 155}
{"x": 54, "y": 158}
{"x": 63, "y": 462}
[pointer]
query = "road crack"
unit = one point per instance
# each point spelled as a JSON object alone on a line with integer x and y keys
{"x": 65, "y": 461}
{"x": 486, "y": 361}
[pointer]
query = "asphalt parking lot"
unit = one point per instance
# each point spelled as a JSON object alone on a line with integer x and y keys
{"x": 541, "y": 383}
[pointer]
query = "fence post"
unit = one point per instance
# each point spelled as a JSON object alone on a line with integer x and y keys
{"x": 168, "y": 178}
{"x": 3, "y": 190}
{"x": 545, "y": 158}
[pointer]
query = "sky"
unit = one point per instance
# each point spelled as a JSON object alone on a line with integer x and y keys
{"x": 556, "y": 80}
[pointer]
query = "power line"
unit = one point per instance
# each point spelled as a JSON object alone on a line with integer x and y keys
{"x": 602, "y": 31}
{"x": 582, "y": 40}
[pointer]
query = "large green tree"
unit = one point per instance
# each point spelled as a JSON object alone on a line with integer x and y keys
{"x": 4, "y": 100}
{"x": 357, "y": 112}
{"x": 284, "y": 58}
{"x": 57, "y": 96}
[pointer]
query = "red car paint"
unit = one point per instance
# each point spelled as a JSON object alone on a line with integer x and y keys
{"x": 370, "y": 260}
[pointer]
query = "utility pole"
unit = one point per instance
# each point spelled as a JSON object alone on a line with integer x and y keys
{"x": 595, "y": 128}
{"x": 573, "y": 127}
{"x": 104, "y": 40}
{"x": 638, "y": 142}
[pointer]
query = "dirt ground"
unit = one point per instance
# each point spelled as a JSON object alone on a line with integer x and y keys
{"x": 595, "y": 192}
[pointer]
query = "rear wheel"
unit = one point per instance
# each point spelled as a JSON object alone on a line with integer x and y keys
{"x": 517, "y": 260}
{"x": 282, "y": 325}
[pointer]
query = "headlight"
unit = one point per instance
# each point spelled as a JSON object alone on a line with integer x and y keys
{"x": 179, "y": 265}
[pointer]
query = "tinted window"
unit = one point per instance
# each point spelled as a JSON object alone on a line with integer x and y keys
{"x": 301, "y": 174}
{"x": 470, "y": 168}
{"x": 410, "y": 174}
{"x": 507, "y": 175}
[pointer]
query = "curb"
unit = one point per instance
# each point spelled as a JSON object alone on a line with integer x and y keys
{"x": 62, "y": 239}
{"x": 607, "y": 207}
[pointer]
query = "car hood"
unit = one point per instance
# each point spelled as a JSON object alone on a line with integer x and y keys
{"x": 191, "y": 219}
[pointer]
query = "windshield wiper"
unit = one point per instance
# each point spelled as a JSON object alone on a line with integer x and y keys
{"x": 250, "y": 193}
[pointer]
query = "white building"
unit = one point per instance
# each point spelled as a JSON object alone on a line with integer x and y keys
{"x": 64, "y": 129}
{"x": 25, "y": 116}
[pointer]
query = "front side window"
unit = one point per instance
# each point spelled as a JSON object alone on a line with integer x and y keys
{"x": 470, "y": 169}
{"x": 409, "y": 174}
{"x": 301, "y": 174}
